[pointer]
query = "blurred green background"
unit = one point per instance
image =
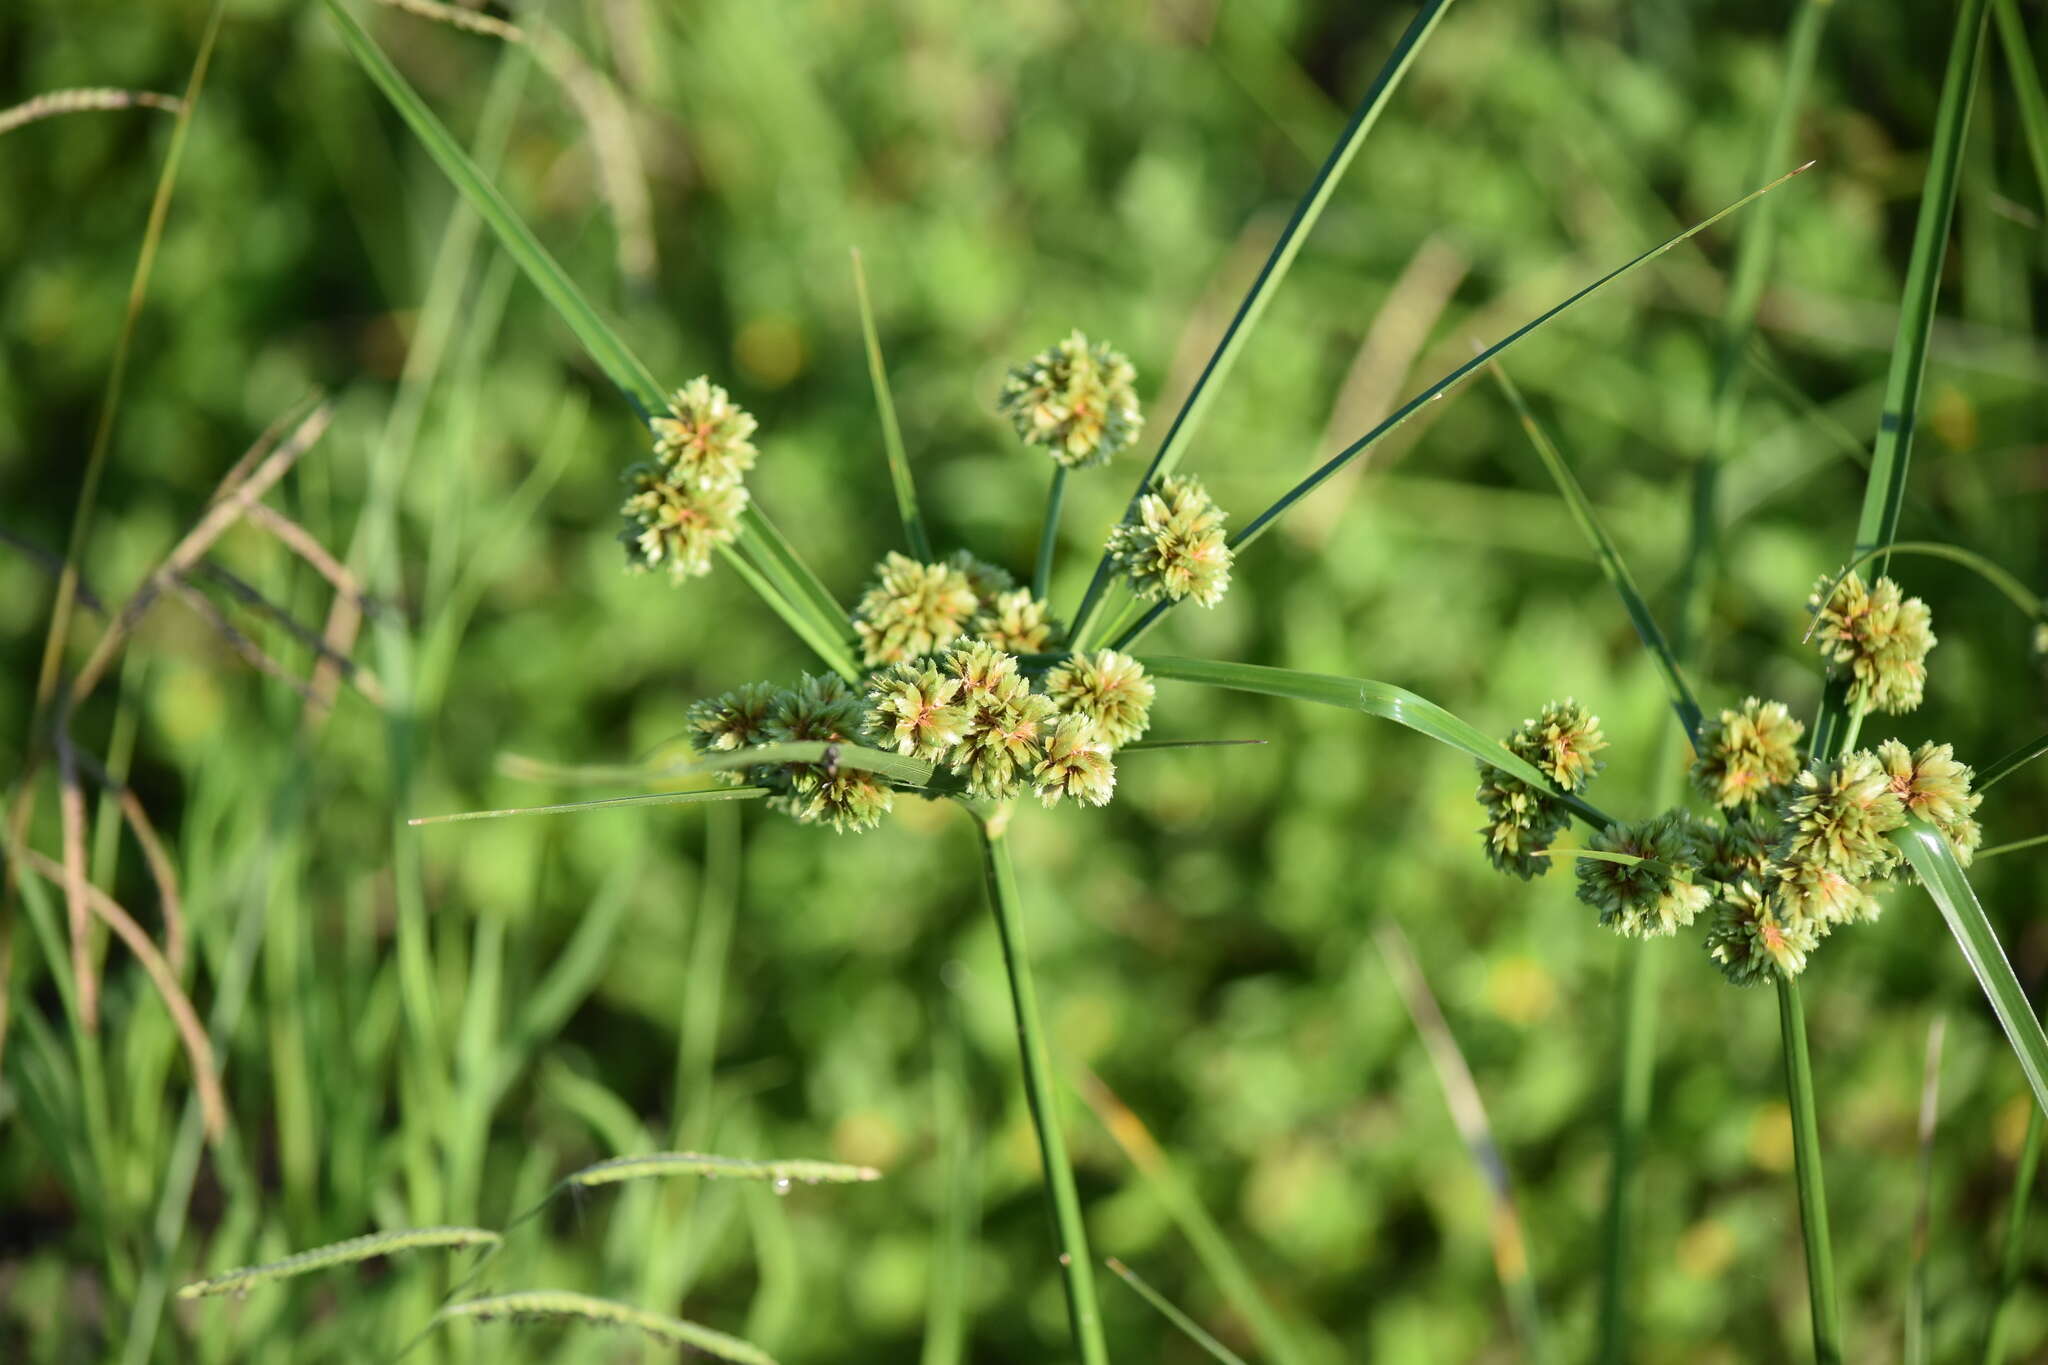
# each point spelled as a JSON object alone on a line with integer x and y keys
{"x": 1205, "y": 945}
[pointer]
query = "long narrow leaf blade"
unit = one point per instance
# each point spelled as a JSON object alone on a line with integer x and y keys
{"x": 1943, "y": 876}
{"x": 1306, "y": 212}
{"x": 1611, "y": 563}
{"x": 2006, "y": 766}
{"x": 892, "y": 435}
{"x": 1886, "y": 490}
{"x": 1189, "y": 1328}
{"x": 1384, "y": 700}
{"x": 2026, "y": 88}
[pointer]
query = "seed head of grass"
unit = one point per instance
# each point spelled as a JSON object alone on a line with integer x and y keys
{"x": 1076, "y": 766}
{"x": 702, "y": 441}
{"x": 1077, "y": 399}
{"x": 244, "y": 1278}
{"x": 1017, "y": 622}
{"x": 676, "y": 525}
{"x": 916, "y": 710}
{"x": 1172, "y": 544}
{"x": 913, "y": 610}
{"x": 1934, "y": 786}
{"x": 1880, "y": 637}
{"x": 735, "y": 720}
{"x": 560, "y": 1305}
{"x": 1837, "y": 816}
{"x": 1562, "y": 741}
{"x": 1654, "y": 898}
{"x": 1752, "y": 943}
{"x": 1747, "y": 754}
{"x": 1108, "y": 690}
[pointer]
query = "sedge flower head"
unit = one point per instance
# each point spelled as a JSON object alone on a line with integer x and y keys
{"x": 1015, "y": 621}
{"x": 916, "y": 710}
{"x": 735, "y": 720}
{"x": 1836, "y": 818}
{"x": 1562, "y": 741}
{"x": 1007, "y": 727}
{"x": 1107, "y": 690}
{"x": 1747, "y": 754}
{"x": 912, "y": 610}
{"x": 988, "y": 581}
{"x": 1521, "y": 822}
{"x": 1076, "y": 765}
{"x": 1653, "y": 898}
{"x": 847, "y": 799}
{"x": 1172, "y": 544}
{"x": 675, "y": 525}
{"x": 1740, "y": 850}
{"x": 982, "y": 669}
{"x": 819, "y": 709}
{"x": 1077, "y": 399}
{"x": 1932, "y": 785}
{"x": 702, "y": 441}
{"x": 1753, "y": 943}
{"x": 1880, "y": 638}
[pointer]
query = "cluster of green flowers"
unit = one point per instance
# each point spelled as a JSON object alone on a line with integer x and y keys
{"x": 688, "y": 500}
{"x": 1522, "y": 820}
{"x": 1801, "y": 848}
{"x": 1077, "y": 399}
{"x": 1172, "y": 544}
{"x": 912, "y": 610}
{"x": 972, "y": 711}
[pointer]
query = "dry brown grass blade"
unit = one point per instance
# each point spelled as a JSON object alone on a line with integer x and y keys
{"x": 221, "y": 515}
{"x": 1468, "y": 1113}
{"x": 71, "y": 876}
{"x": 249, "y": 595}
{"x": 252, "y": 653}
{"x": 161, "y": 870}
{"x": 198, "y": 1047}
{"x": 302, "y": 543}
{"x": 90, "y": 99}
{"x": 621, "y": 173}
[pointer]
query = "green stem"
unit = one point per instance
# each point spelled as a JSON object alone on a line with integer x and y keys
{"x": 1642, "y": 972}
{"x": 2015, "y": 1238}
{"x": 1076, "y": 1267}
{"x": 1048, "y": 538}
{"x": 1813, "y": 1201}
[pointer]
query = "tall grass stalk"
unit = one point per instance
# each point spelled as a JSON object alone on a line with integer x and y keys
{"x": 1813, "y": 1199}
{"x": 2012, "y": 1261}
{"x": 1077, "y": 1268}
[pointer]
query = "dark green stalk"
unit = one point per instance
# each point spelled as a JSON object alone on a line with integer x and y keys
{"x": 1076, "y": 1267}
{"x": 2010, "y": 1264}
{"x": 1813, "y": 1200}
{"x": 1274, "y": 271}
{"x": 1642, "y": 974}
{"x": 1049, "y": 537}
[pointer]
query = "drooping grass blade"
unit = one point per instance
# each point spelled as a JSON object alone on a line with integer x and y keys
{"x": 797, "y": 589}
{"x": 1259, "y": 524}
{"x": 2014, "y": 591}
{"x": 1189, "y": 420}
{"x": 1943, "y": 877}
{"x": 1189, "y": 1328}
{"x": 2010, "y": 763}
{"x": 1384, "y": 700}
{"x": 1611, "y": 563}
{"x": 892, "y": 435}
{"x": 609, "y": 802}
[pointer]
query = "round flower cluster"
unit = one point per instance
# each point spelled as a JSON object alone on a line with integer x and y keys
{"x": 1522, "y": 819}
{"x": 1747, "y": 755}
{"x": 1802, "y": 848}
{"x": 1172, "y": 545}
{"x": 971, "y": 711}
{"x": 1077, "y": 399}
{"x": 1880, "y": 637}
{"x": 688, "y": 500}
{"x": 913, "y": 610}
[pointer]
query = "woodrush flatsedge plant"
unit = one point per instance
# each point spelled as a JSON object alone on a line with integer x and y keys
{"x": 980, "y": 684}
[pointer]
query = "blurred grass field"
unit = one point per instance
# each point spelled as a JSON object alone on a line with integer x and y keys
{"x": 626, "y": 981}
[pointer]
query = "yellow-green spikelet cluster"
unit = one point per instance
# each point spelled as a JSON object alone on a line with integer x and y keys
{"x": 687, "y": 502}
{"x": 1078, "y": 399}
{"x": 914, "y": 610}
{"x": 1172, "y": 544}
{"x": 1879, "y": 638}
{"x": 1563, "y": 742}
